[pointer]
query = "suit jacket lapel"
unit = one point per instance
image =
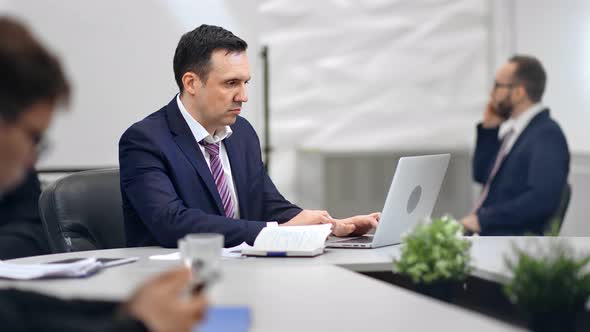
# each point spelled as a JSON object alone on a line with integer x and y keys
{"x": 238, "y": 173}
{"x": 186, "y": 141}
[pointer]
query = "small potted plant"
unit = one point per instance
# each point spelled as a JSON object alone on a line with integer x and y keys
{"x": 551, "y": 288}
{"x": 435, "y": 257}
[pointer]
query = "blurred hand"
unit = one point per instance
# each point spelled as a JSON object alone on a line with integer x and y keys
{"x": 490, "y": 118}
{"x": 162, "y": 305}
{"x": 471, "y": 223}
{"x": 357, "y": 225}
{"x": 310, "y": 217}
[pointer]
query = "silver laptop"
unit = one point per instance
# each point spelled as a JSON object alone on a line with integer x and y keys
{"x": 411, "y": 198}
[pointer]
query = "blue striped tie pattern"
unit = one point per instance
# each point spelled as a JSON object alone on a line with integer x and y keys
{"x": 219, "y": 177}
{"x": 502, "y": 152}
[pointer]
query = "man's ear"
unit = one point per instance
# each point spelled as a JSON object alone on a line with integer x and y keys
{"x": 191, "y": 83}
{"x": 521, "y": 92}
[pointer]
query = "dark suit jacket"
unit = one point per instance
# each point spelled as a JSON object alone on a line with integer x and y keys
{"x": 21, "y": 231}
{"x": 22, "y": 311}
{"x": 21, "y": 203}
{"x": 526, "y": 191}
{"x": 168, "y": 190}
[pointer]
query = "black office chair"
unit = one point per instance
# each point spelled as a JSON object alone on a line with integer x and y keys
{"x": 83, "y": 211}
{"x": 553, "y": 225}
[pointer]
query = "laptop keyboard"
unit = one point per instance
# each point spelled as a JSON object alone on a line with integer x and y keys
{"x": 364, "y": 239}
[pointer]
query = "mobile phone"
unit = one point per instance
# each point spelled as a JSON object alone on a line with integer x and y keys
{"x": 106, "y": 262}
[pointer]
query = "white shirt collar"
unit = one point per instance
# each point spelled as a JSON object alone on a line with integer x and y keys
{"x": 199, "y": 132}
{"x": 519, "y": 123}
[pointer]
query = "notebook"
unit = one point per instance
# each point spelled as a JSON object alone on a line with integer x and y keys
{"x": 298, "y": 241}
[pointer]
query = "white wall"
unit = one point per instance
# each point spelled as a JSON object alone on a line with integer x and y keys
{"x": 118, "y": 55}
{"x": 557, "y": 32}
{"x": 406, "y": 74}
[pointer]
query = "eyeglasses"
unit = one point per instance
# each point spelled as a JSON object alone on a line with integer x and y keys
{"x": 498, "y": 85}
{"x": 42, "y": 146}
{"x": 39, "y": 141}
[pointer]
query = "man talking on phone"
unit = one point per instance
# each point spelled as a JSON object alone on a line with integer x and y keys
{"x": 521, "y": 156}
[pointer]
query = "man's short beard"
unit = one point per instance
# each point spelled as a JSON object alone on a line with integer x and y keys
{"x": 504, "y": 108}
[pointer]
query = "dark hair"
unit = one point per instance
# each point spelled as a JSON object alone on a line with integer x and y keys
{"x": 194, "y": 49}
{"x": 29, "y": 73}
{"x": 530, "y": 73}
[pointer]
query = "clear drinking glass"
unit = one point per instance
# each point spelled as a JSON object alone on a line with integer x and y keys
{"x": 202, "y": 253}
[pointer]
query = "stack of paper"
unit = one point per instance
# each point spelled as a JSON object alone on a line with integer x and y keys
{"x": 80, "y": 268}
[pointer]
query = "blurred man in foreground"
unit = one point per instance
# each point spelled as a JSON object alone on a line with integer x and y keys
{"x": 31, "y": 88}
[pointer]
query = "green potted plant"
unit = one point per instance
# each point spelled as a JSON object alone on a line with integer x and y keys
{"x": 435, "y": 257}
{"x": 551, "y": 288}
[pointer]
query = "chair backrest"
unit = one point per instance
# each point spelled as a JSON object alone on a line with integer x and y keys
{"x": 554, "y": 224}
{"x": 83, "y": 211}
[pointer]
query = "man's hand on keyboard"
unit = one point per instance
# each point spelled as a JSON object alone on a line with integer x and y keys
{"x": 357, "y": 225}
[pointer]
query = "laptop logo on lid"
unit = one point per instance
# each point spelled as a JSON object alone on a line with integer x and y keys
{"x": 414, "y": 199}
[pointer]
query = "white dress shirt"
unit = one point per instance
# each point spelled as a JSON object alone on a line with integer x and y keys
{"x": 200, "y": 133}
{"x": 518, "y": 124}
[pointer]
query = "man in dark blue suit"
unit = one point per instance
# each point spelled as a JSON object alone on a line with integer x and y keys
{"x": 195, "y": 165}
{"x": 521, "y": 156}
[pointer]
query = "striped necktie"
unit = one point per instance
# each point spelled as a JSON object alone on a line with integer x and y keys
{"x": 219, "y": 177}
{"x": 502, "y": 152}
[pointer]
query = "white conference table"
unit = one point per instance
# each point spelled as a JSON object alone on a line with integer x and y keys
{"x": 285, "y": 294}
{"x": 488, "y": 256}
{"x": 489, "y": 253}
